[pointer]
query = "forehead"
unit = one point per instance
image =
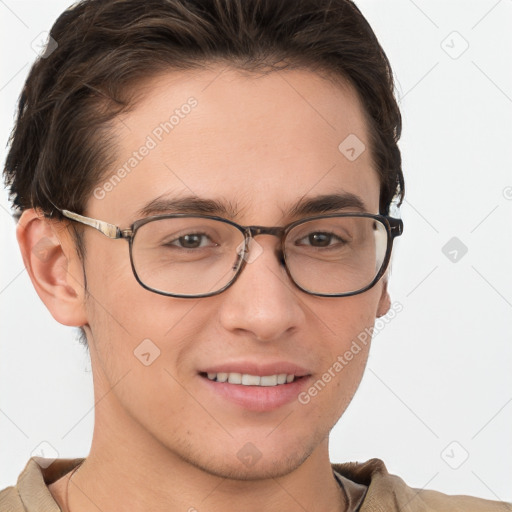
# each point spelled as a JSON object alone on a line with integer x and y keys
{"x": 257, "y": 142}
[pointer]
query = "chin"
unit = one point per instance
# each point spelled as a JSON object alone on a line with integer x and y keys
{"x": 243, "y": 460}
{"x": 261, "y": 469}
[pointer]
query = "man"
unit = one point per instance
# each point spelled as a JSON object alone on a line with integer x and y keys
{"x": 247, "y": 153}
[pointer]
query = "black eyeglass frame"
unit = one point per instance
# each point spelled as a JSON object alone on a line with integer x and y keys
{"x": 394, "y": 228}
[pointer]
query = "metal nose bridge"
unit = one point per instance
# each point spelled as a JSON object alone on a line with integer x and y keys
{"x": 252, "y": 231}
{"x": 264, "y": 230}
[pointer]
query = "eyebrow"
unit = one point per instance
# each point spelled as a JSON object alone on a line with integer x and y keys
{"x": 326, "y": 203}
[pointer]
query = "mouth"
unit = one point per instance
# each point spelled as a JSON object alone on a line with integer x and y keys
{"x": 246, "y": 379}
{"x": 252, "y": 388}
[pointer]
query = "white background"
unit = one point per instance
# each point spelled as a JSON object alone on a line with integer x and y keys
{"x": 438, "y": 386}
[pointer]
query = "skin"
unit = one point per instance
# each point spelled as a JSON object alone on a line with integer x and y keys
{"x": 261, "y": 142}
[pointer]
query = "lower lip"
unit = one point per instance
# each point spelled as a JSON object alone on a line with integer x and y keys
{"x": 258, "y": 398}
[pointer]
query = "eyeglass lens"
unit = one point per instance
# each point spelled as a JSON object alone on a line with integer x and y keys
{"x": 196, "y": 256}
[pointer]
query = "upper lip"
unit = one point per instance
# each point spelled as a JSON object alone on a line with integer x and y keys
{"x": 253, "y": 368}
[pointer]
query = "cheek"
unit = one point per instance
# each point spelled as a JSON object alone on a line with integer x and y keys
{"x": 117, "y": 302}
{"x": 344, "y": 352}
{"x": 332, "y": 389}
{"x": 347, "y": 319}
{"x": 139, "y": 340}
{"x": 134, "y": 329}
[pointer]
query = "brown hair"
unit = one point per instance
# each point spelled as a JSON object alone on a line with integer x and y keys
{"x": 61, "y": 148}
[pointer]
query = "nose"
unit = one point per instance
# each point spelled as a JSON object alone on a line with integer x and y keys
{"x": 263, "y": 302}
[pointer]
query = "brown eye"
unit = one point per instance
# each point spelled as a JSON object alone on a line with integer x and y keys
{"x": 321, "y": 239}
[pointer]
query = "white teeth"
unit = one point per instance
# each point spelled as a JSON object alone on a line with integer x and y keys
{"x": 251, "y": 380}
{"x": 269, "y": 380}
{"x": 235, "y": 378}
{"x": 221, "y": 377}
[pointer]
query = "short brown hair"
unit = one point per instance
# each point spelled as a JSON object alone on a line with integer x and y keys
{"x": 60, "y": 147}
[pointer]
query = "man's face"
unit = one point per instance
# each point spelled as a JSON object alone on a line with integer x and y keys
{"x": 259, "y": 145}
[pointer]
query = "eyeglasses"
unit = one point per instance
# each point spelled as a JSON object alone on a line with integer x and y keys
{"x": 192, "y": 256}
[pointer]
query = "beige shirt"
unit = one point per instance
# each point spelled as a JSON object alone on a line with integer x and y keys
{"x": 368, "y": 485}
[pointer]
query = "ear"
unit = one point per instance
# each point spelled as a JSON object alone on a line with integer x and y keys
{"x": 51, "y": 260}
{"x": 385, "y": 300}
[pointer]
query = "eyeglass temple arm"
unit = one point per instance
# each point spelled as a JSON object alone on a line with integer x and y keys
{"x": 396, "y": 225}
{"x": 107, "y": 229}
{"x": 112, "y": 231}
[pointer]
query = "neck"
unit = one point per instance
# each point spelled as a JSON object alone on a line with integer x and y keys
{"x": 138, "y": 477}
{"x": 138, "y": 482}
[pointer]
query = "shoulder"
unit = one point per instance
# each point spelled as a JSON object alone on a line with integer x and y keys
{"x": 31, "y": 491}
{"x": 390, "y": 493}
{"x": 10, "y": 500}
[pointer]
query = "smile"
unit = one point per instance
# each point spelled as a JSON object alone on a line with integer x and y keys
{"x": 246, "y": 379}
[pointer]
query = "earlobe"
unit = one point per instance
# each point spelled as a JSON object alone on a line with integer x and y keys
{"x": 52, "y": 264}
{"x": 384, "y": 301}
